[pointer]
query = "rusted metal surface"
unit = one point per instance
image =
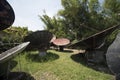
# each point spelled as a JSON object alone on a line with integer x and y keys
{"x": 7, "y": 15}
{"x": 95, "y": 40}
{"x": 61, "y": 41}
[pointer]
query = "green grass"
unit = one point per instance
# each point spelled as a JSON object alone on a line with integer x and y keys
{"x": 57, "y": 66}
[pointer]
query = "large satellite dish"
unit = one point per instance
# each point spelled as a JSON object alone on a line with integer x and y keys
{"x": 61, "y": 42}
{"x": 113, "y": 57}
{"x": 93, "y": 44}
{"x": 6, "y": 56}
{"x": 95, "y": 40}
{"x": 12, "y": 52}
{"x": 40, "y": 40}
{"x": 7, "y": 15}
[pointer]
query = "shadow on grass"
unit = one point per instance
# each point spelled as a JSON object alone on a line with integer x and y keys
{"x": 80, "y": 58}
{"x": 11, "y": 63}
{"x": 36, "y": 58}
{"x": 7, "y": 74}
{"x": 6, "y": 67}
{"x": 65, "y": 51}
{"x": 18, "y": 76}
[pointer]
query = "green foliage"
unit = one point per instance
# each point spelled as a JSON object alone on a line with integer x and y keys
{"x": 111, "y": 38}
{"x": 15, "y": 34}
{"x": 54, "y": 25}
{"x": 81, "y": 18}
{"x": 12, "y": 36}
{"x": 112, "y": 8}
{"x": 112, "y": 5}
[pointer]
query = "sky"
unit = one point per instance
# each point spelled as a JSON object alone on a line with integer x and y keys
{"x": 27, "y": 12}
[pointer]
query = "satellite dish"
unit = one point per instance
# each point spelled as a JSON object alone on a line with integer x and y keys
{"x": 113, "y": 57}
{"x": 12, "y": 52}
{"x": 61, "y": 42}
{"x": 94, "y": 41}
{"x": 6, "y": 56}
{"x": 40, "y": 40}
{"x": 93, "y": 44}
{"x": 7, "y": 15}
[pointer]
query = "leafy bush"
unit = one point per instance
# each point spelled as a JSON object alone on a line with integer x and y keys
{"x": 12, "y": 37}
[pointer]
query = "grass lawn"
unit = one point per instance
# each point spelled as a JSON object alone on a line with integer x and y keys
{"x": 57, "y": 66}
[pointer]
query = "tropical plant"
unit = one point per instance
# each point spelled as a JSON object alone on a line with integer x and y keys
{"x": 12, "y": 36}
{"x": 81, "y": 18}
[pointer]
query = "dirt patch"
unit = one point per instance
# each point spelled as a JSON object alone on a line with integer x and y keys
{"x": 45, "y": 76}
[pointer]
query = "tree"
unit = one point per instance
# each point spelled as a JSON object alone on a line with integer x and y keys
{"x": 16, "y": 34}
{"x": 112, "y": 9}
{"x": 54, "y": 25}
{"x": 83, "y": 18}
{"x": 12, "y": 36}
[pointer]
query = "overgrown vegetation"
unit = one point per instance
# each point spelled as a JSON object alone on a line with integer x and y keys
{"x": 12, "y": 36}
{"x": 58, "y": 66}
{"x": 81, "y": 18}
